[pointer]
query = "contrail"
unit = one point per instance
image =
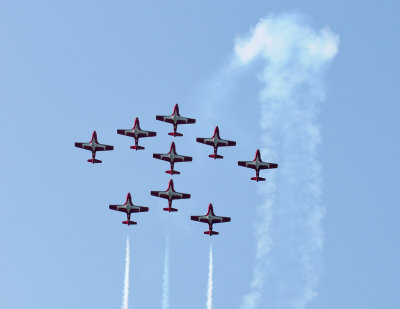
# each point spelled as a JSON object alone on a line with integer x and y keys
{"x": 288, "y": 232}
{"x": 126, "y": 280}
{"x": 165, "y": 296}
{"x": 210, "y": 280}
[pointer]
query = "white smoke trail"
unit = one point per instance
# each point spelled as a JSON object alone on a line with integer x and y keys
{"x": 165, "y": 296}
{"x": 288, "y": 232}
{"x": 210, "y": 280}
{"x": 126, "y": 279}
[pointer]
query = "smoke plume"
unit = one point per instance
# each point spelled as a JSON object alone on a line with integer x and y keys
{"x": 210, "y": 280}
{"x": 126, "y": 279}
{"x": 165, "y": 295}
{"x": 292, "y": 58}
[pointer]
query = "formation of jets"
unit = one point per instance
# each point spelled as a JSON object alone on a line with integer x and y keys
{"x": 173, "y": 157}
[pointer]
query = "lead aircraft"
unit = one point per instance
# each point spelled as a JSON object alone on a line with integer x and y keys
{"x": 136, "y": 132}
{"x": 172, "y": 157}
{"x": 170, "y": 194}
{"x": 258, "y": 165}
{"x": 210, "y": 218}
{"x": 94, "y": 146}
{"x": 129, "y": 208}
{"x": 175, "y": 119}
{"x": 215, "y": 141}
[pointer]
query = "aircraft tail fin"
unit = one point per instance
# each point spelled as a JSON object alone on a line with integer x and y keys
{"x": 211, "y": 233}
{"x": 257, "y": 179}
{"x": 216, "y": 156}
{"x": 170, "y": 209}
{"x": 129, "y": 222}
{"x": 137, "y": 147}
{"x": 94, "y": 161}
{"x": 174, "y": 134}
{"x": 173, "y": 172}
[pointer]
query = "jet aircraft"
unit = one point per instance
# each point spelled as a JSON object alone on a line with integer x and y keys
{"x": 136, "y": 132}
{"x": 175, "y": 119}
{"x": 258, "y": 165}
{"x": 94, "y": 146}
{"x": 171, "y": 195}
{"x": 215, "y": 141}
{"x": 129, "y": 208}
{"x": 210, "y": 218}
{"x": 172, "y": 157}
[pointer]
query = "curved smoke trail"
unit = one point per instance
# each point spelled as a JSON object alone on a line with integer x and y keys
{"x": 210, "y": 280}
{"x": 288, "y": 232}
{"x": 165, "y": 296}
{"x": 126, "y": 279}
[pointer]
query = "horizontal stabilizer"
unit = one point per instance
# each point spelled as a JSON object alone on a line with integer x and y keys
{"x": 174, "y": 134}
{"x": 129, "y": 222}
{"x": 170, "y": 209}
{"x": 258, "y": 179}
{"x": 94, "y": 161}
{"x": 217, "y": 156}
{"x": 211, "y": 233}
{"x": 173, "y": 172}
{"x": 137, "y": 147}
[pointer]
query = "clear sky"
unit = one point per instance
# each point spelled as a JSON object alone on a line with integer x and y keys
{"x": 68, "y": 68}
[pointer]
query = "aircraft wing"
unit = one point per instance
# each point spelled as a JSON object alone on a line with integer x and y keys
{"x": 180, "y": 120}
{"x": 175, "y": 195}
{"x": 207, "y": 141}
{"x": 118, "y": 208}
{"x": 262, "y": 166}
{"x": 165, "y": 119}
{"x": 84, "y": 146}
{"x": 185, "y": 120}
{"x": 139, "y": 209}
{"x": 161, "y": 194}
{"x": 219, "y": 219}
{"x": 180, "y": 196}
{"x": 102, "y": 147}
{"x": 215, "y": 219}
{"x": 179, "y": 158}
{"x": 203, "y": 219}
{"x": 142, "y": 133}
{"x": 225, "y": 142}
{"x": 248, "y": 164}
{"x": 210, "y": 142}
{"x": 161, "y": 156}
{"x": 266, "y": 165}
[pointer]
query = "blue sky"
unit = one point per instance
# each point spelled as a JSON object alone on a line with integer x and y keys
{"x": 69, "y": 68}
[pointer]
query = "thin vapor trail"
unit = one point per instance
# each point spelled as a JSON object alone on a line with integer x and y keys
{"x": 210, "y": 280}
{"x": 165, "y": 295}
{"x": 126, "y": 279}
